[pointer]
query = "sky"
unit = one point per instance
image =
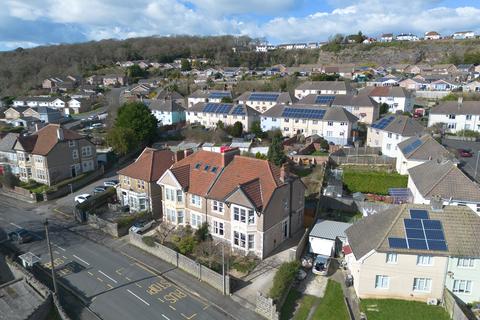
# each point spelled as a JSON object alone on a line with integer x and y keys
{"x": 30, "y": 23}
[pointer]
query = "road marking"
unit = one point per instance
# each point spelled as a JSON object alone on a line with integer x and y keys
{"x": 128, "y": 278}
{"x": 205, "y": 308}
{"x": 59, "y": 247}
{"x": 56, "y": 252}
{"x": 100, "y": 271}
{"x": 165, "y": 316}
{"x": 63, "y": 213}
{"x": 118, "y": 271}
{"x": 191, "y": 317}
{"x": 138, "y": 285}
{"x": 109, "y": 286}
{"x": 15, "y": 225}
{"x": 99, "y": 279}
{"x": 64, "y": 257}
{"x": 172, "y": 307}
{"x": 144, "y": 268}
{"x": 81, "y": 260}
{"x": 160, "y": 300}
{"x": 90, "y": 273}
{"x": 138, "y": 297}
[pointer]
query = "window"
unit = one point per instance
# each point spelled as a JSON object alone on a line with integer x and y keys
{"x": 240, "y": 214}
{"x": 75, "y": 154}
{"x": 286, "y": 120}
{"x": 180, "y": 217}
{"x": 239, "y": 239}
{"x": 466, "y": 262}
{"x": 41, "y": 174}
{"x": 343, "y": 123}
{"x": 140, "y": 184}
{"x": 142, "y": 203}
{"x": 179, "y": 196}
{"x": 424, "y": 260}
{"x": 389, "y": 146}
{"x": 218, "y": 228}
{"x": 251, "y": 241}
{"x": 195, "y": 200}
{"x": 330, "y": 123}
{"x": 329, "y": 133}
{"x": 71, "y": 143}
{"x": 217, "y": 206}
{"x": 171, "y": 215}
{"x": 422, "y": 284}
{"x": 285, "y": 129}
{"x": 38, "y": 159}
{"x": 195, "y": 220}
{"x": 315, "y": 121}
{"x": 469, "y": 117}
{"x": 451, "y": 126}
{"x": 390, "y": 135}
{"x": 392, "y": 258}
{"x": 462, "y": 286}
{"x": 170, "y": 194}
{"x": 451, "y": 116}
{"x": 86, "y": 151}
{"x": 382, "y": 282}
{"x": 251, "y": 217}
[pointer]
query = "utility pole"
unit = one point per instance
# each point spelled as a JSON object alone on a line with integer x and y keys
{"x": 55, "y": 291}
{"x": 476, "y": 166}
{"x": 223, "y": 268}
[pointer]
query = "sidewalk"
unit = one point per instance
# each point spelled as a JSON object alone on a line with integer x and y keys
{"x": 198, "y": 289}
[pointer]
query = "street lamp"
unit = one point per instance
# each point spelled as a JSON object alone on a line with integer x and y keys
{"x": 223, "y": 267}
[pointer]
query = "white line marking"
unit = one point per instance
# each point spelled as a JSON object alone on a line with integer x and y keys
{"x": 138, "y": 297}
{"x": 107, "y": 276}
{"x": 81, "y": 260}
{"x": 165, "y": 316}
{"x": 15, "y": 225}
{"x": 59, "y": 247}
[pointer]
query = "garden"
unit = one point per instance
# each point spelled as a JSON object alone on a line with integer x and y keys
{"x": 383, "y": 309}
{"x": 376, "y": 181}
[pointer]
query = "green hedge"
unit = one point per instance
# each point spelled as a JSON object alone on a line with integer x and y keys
{"x": 128, "y": 221}
{"x": 283, "y": 278}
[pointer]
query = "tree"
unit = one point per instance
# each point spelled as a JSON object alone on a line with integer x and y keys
{"x": 236, "y": 130}
{"x": 226, "y": 100}
{"x": 121, "y": 140}
{"x": 220, "y": 125}
{"x": 185, "y": 65}
{"x": 275, "y": 152}
{"x": 9, "y": 179}
{"x": 136, "y": 72}
{"x": 384, "y": 108}
{"x": 202, "y": 233}
{"x": 324, "y": 77}
{"x": 257, "y": 129}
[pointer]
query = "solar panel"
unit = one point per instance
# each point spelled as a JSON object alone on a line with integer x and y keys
{"x": 324, "y": 99}
{"x": 418, "y": 214}
{"x": 219, "y": 95}
{"x": 419, "y": 244}
{"x": 264, "y": 96}
{"x": 434, "y": 234}
{"x": 415, "y": 234}
{"x": 437, "y": 245}
{"x": 412, "y": 146}
{"x": 382, "y": 123}
{"x": 397, "y": 243}
{"x": 413, "y": 223}
{"x": 303, "y": 113}
{"x": 238, "y": 110}
{"x": 432, "y": 224}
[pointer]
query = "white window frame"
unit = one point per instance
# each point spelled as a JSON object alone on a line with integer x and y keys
{"x": 196, "y": 220}
{"x": 217, "y": 206}
{"x": 180, "y": 214}
{"x": 239, "y": 240}
{"x": 179, "y": 194}
{"x": 424, "y": 260}
{"x": 251, "y": 241}
{"x": 391, "y": 258}
{"x": 218, "y": 226}
{"x": 74, "y": 154}
{"x": 462, "y": 286}
{"x": 422, "y": 284}
{"x": 194, "y": 202}
{"x": 170, "y": 194}
{"x": 466, "y": 263}
{"x": 382, "y": 282}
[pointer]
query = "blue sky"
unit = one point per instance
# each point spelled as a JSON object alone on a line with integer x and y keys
{"x": 29, "y": 23}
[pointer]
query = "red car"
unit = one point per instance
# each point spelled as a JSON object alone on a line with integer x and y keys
{"x": 465, "y": 153}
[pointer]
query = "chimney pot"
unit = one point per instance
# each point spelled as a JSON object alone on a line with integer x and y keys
{"x": 436, "y": 203}
{"x": 60, "y": 133}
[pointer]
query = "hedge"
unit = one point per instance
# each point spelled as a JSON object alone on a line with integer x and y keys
{"x": 283, "y": 278}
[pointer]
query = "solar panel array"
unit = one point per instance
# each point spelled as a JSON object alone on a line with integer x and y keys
{"x": 257, "y": 96}
{"x": 324, "y": 99}
{"x": 421, "y": 233}
{"x": 217, "y": 108}
{"x": 412, "y": 146}
{"x": 219, "y": 95}
{"x": 239, "y": 110}
{"x": 303, "y": 113}
{"x": 382, "y": 123}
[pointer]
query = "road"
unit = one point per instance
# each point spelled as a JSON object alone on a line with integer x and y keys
{"x": 467, "y": 164}
{"x": 114, "y": 285}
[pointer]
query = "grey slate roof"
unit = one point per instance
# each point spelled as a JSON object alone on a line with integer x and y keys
{"x": 460, "y": 225}
{"x": 445, "y": 179}
{"x": 323, "y": 85}
{"x": 403, "y": 125}
{"x": 164, "y": 94}
{"x": 7, "y": 142}
{"x": 354, "y": 101}
{"x": 46, "y": 110}
{"x": 328, "y": 229}
{"x": 398, "y": 92}
{"x": 453, "y": 107}
{"x": 429, "y": 149}
{"x": 339, "y": 114}
{"x": 164, "y": 105}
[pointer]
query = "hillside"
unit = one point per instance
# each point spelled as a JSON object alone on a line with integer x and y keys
{"x": 24, "y": 69}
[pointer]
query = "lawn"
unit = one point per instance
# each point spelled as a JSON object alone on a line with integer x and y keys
{"x": 332, "y": 305}
{"x": 294, "y": 299}
{"x": 383, "y": 309}
{"x": 377, "y": 182}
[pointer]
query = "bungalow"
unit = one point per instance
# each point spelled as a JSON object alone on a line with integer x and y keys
{"x": 413, "y": 84}
{"x": 442, "y": 178}
{"x": 114, "y": 80}
{"x": 442, "y": 85}
{"x": 473, "y": 86}
{"x": 466, "y": 68}
{"x": 387, "y": 81}
{"x": 432, "y": 35}
{"x": 444, "y": 68}
{"x": 406, "y": 37}
{"x": 462, "y": 35}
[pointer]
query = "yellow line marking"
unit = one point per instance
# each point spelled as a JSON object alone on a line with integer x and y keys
{"x": 99, "y": 279}
{"x": 160, "y": 300}
{"x": 128, "y": 278}
{"x": 63, "y": 213}
{"x": 172, "y": 307}
{"x": 109, "y": 286}
{"x": 191, "y": 317}
{"x": 138, "y": 285}
{"x": 146, "y": 269}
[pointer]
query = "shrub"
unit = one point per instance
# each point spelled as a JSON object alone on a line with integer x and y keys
{"x": 283, "y": 278}
{"x": 186, "y": 245}
{"x": 149, "y": 241}
{"x": 244, "y": 264}
{"x": 202, "y": 233}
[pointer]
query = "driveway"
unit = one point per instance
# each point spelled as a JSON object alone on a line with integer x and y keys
{"x": 466, "y": 164}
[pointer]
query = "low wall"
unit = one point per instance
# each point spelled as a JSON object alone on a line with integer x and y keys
{"x": 106, "y": 226}
{"x": 456, "y": 309}
{"x": 431, "y": 94}
{"x": 186, "y": 264}
{"x": 460, "y": 138}
{"x": 24, "y": 194}
{"x": 296, "y": 252}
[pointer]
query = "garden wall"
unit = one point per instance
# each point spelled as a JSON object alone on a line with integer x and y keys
{"x": 188, "y": 265}
{"x": 456, "y": 309}
{"x": 106, "y": 226}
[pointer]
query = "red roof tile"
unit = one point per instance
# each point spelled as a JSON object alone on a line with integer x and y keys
{"x": 47, "y": 138}
{"x": 150, "y": 165}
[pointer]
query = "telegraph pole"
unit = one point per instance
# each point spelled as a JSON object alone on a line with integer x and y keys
{"x": 55, "y": 291}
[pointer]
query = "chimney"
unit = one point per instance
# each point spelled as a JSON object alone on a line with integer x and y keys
{"x": 436, "y": 203}
{"x": 284, "y": 172}
{"x": 228, "y": 154}
{"x": 460, "y": 102}
{"x": 187, "y": 152}
{"x": 179, "y": 155}
{"x": 60, "y": 133}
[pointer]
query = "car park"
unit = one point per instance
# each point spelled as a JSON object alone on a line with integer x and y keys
{"x": 99, "y": 189}
{"x": 141, "y": 226}
{"x": 111, "y": 183}
{"x": 20, "y": 235}
{"x": 320, "y": 265}
{"x": 82, "y": 198}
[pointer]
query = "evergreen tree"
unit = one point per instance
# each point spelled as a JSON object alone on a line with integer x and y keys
{"x": 275, "y": 152}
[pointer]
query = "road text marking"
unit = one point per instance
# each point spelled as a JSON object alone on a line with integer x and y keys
{"x": 138, "y": 297}
{"x": 165, "y": 316}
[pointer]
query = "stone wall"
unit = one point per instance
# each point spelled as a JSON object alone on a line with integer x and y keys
{"x": 188, "y": 265}
{"x": 456, "y": 309}
{"x": 106, "y": 226}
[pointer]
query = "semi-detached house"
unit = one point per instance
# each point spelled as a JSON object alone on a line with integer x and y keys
{"x": 248, "y": 203}
{"x": 456, "y": 116}
{"x": 262, "y": 101}
{"x": 322, "y": 87}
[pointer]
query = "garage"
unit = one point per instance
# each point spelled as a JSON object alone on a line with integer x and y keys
{"x": 327, "y": 237}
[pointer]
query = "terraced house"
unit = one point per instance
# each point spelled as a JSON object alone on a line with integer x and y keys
{"x": 248, "y": 203}
{"x": 53, "y": 154}
{"x": 262, "y": 101}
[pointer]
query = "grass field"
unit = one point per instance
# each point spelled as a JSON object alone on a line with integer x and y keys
{"x": 383, "y": 309}
{"x": 377, "y": 182}
{"x": 332, "y": 306}
{"x": 294, "y": 298}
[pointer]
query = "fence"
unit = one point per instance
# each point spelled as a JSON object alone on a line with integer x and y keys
{"x": 456, "y": 309}
{"x": 186, "y": 264}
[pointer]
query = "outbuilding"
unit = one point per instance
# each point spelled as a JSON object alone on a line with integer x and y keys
{"x": 327, "y": 237}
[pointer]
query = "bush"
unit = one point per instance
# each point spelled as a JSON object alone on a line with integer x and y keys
{"x": 186, "y": 245}
{"x": 468, "y": 133}
{"x": 244, "y": 264}
{"x": 9, "y": 180}
{"x": 149, "y": 241}
{"x": 283, "y": 278}
{"x": 202, "y": 233}
{"x": 372, "y": 181}
{"x": 127, "y": 221}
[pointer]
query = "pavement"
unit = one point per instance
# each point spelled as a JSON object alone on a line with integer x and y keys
{"x": 112, "y": 278}
{"x": 466, "y": 164}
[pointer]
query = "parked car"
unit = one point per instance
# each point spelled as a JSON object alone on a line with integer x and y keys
{"x": 320, "y": 265}
{"x": 111, "y": 183}
{"x": 141, "y": 226}
{"x": 465, "y": 153}
{"x": 82, "y": 198}
{"x": 20, "y": 236}
{"x": 99, "y": 189}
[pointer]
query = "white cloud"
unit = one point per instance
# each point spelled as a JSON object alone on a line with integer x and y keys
{"x": 236, "y": 7}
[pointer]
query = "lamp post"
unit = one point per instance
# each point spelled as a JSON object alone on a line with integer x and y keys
{"x": 55, "y": 291}
{"x": 223, "y": 267}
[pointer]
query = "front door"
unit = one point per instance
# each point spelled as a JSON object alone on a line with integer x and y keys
{"x": 74, "y": 172}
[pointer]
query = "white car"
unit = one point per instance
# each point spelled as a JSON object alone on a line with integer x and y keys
{"x": 111, "y": 183}
{"x": 321, "y": 265}
{"x": 141, "y": 226}
{"x": 82, "y": 198}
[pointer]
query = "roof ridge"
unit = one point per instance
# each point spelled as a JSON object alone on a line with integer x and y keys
{"x": 441, "y": 179}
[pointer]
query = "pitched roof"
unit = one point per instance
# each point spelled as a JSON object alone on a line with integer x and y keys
{"x": 402, "y": 125}
{"x": 385, "y": 92}
{"x": 257, "y": 178}
{"x": 249, "y": 111}
{"x": 460, "y": 225}
{"x": 323, "y": 85}
{"x": 445, "y": 179}
{"x": 46, "y": 138}
{"x": 339, "y": 114}
{"x": 164, "y": 105}
{"x": 453, "y": 107}
{"x": 8, "y": 142}
{"x": 27, "y": 142}
{"x": 150, "y": 165}
{"x": 283, "y": 97}
{"x": 329, "y": 229}
{"x": 427, "y": 148}
{"x": 331, "y": 113}
{"x": 354, "y": 100}
{"x": 164, "y": 94}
